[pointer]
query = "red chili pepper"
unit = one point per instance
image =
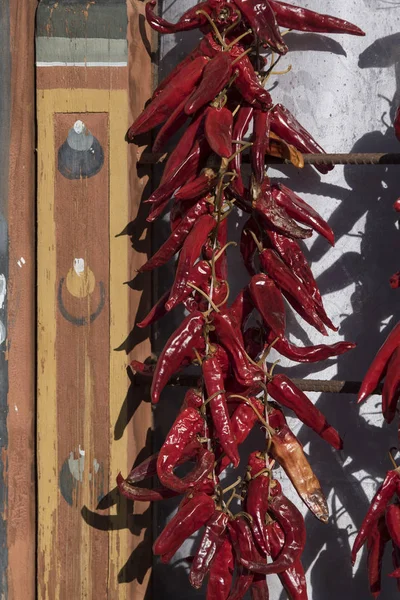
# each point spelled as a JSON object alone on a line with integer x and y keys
{"x": 199, "y": 276}
{"x": 378, "y": 367}
{"x": 248, "y": 246}
{"x": 285, "y": 125}
{"x": 377, "y": 508}
{"x": 259, "y": 588}
{"x": 284, "y": 391}
{"x": 246, "y": 373}
{"x": 177, "y": 70}
{"x": 189, "y": 254}
{"x": 308, "y": 354}
{"x": 396, "y": 205}
{"x": 189, "y": 167}
{"x": 303, "y": 19}
{"x": 248, "y": 85}
{"x": 292, "y": 255}
{"x": 265, "y": 205}
{"x": 174, "y": 122}
{"x": 211, "y": 542}
{"x": 293, "y": 579}
{"x": 288, "y": 451}
{"x": 216, "y": 75}
{"x": 143, "y": 368}
{"x": 293, "y": 289}
{"x": 187, "y": 426}
{"x": 243, "y": 544}
{"x": 169, "y": 98}
{"x": 218, "y": 130}
{"x": 262, "y": 21}
{"x": 240, "y": 128}
{"x": 391, "y": 387}
{"x": 214, "y": 382}
{"x": 178, "y": 348}
{"x": 376, "y": 544}
{"x": 301, "y": 211}
{"x": 199, "y": 186}
{"x": 262, "y": 125}
{"x": 157, "y": 312}
{"x": 188, "y": 21}
{"x": 393, "y": 522}
{"x": 220, "y": 580}
{"x": 395, "y": 281}
{"x": 292, "y": 523}
{"x": 257, "y": 496}
{"x": 254, "y": 341}
{"x": 241, "y": 309}
{"x": 189, "y": 518}
{"x": 139, "y": 494}
{"x": 268, "y": 300}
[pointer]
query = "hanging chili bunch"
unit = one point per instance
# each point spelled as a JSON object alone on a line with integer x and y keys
{"x": 218, "y": 92}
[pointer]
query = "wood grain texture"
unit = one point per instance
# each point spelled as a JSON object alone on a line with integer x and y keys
{"x": 20, "y": 513}
{"x": 90, "y": 544}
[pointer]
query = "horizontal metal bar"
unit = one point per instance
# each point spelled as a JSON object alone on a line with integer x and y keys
{"x": 366, "y": 158}
{"x": 332, "y": 386}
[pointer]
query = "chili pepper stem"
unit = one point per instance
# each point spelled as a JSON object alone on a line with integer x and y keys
{"x": 232, "y": 486}
{"x": 237, "y": 40}
{"x": 206, "y": 296}
{"x": 241, "y": 56}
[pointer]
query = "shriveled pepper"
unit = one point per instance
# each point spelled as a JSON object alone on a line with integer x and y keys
{"x": 221, "y": 572}
{"x": 191, "y": 19}
{"x": 262, "y": 125}
{"x": 139, "y": 494}
{"x": 376, "y": 544}
{"x": 268, "y": 300}
{"x": 174, "y": 122}
{"x": 169, "y": 98}
{"x": 193, "y": 515}
{"x": 377, "y": 508}
{"x": 259, "y": 588}
{"x": 303, "y": 19}
{"x": 214, "y": 382}
{"x": 199, "y": 186}
{"x": 247, "y": 373}
{"x": 190, "y": 253}
{"x": 240, "y": 128}
{"x": 198, "y": 275}
{"x": 308, "y": 354}
{"x": 216, "y": 75}
{"x": 211, "y": 542}
{"x": 257, "y": 496}
{"x": 262, "y": 21}
{"x": 218, "y": 130}
{"x": 284, "y": 391}
{"x": 288, "y": 451}
{"x": 178, "y": 348}
{"x": 378, "y": 366}
{"x": 393, "y": 522}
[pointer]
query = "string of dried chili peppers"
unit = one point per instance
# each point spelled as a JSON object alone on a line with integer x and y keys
{"x": 217, "y": 92}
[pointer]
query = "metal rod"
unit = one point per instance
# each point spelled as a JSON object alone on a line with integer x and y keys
{"x": 367, "y": 158}
{"x": 332, "y": 386}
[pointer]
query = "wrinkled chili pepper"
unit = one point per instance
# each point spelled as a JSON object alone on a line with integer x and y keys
{"x": 292, "y": 523}
{"x": 190, "y": 253}
{"x": 216, "y": 75}
{"x": 199, "y": 186}
{"x": 378, "y": 366}
{"x": 262, "y": 21}
{"x": 248, "y": 246}
{"x": 211, "y": 542}
{"x": 221, "y": 572}
{"x": 293, "y": 578}
{"x": 188, "y": 21}
{"x": 214, "y": 382}
{"x": 303, "y": 19}
{"x": 287, "y": 450}
{"x": 189, "y": 518}
{"x": 376, "y": 543}
{"x": 167, "y": 100}
{"x": 393, "y": 522}
{"x": 187, "y": 426}
{"x": 139, "y": 494}
{"x": 301, "y": 211}
{"x": 262, "y": 124}
{"x": 284, "y": 124}
{"x": 308, "y": 354}
{"x": 284, "y": 391}
{"x": 268, "y": 300}
{"x": 259, "y": 588}
{"x": 257, "y": 496}
{"x": 218, "y": 130}
{"x": 247, "y": 373}
{"x": 178, "y": 348}
{"x": 377, "y": 508}
{"x": 174, "y": 122}
{"x": 241, "y": 309}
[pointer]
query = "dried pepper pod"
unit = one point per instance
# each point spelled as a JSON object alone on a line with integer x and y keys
{"x": 211, "y": 542}
{"x": 303, "y": 19}
{"x": 262, "y": 125}
{"x": 218, "y": 130}
{"x": 240, "y": 128}
{"x": 259, "y": 588}
{"x": 221, "y": 572}
{"x": 377, "y": 508}
{"x": 199, "y": 186}
{"x": 169, "y": 98}
{"x": 308, "y": 354}
{"x": 287, "y": 450}
{"x": 257, "y": 495}
{"x": 139, "y": 494}
{"x": 376, "y": 544}
{"x": 268, "y": 300}
{"x": 262, "y": 21}
{"x": 284, "y": 391}
{"x": 174, "y": 122}
{"x": 216, "y": 75}
{"x": 189, "y": 519}
{"x": 392, "y": 517}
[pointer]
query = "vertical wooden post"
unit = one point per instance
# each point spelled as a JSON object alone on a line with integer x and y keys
{"x": 17, "y": 301}
{"x": 88, "y": 192}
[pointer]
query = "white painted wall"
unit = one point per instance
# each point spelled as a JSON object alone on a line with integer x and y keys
{"x": 341, "y": 89}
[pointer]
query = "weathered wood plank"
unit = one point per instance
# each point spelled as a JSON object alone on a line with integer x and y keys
{"x": 86, "y": 548}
